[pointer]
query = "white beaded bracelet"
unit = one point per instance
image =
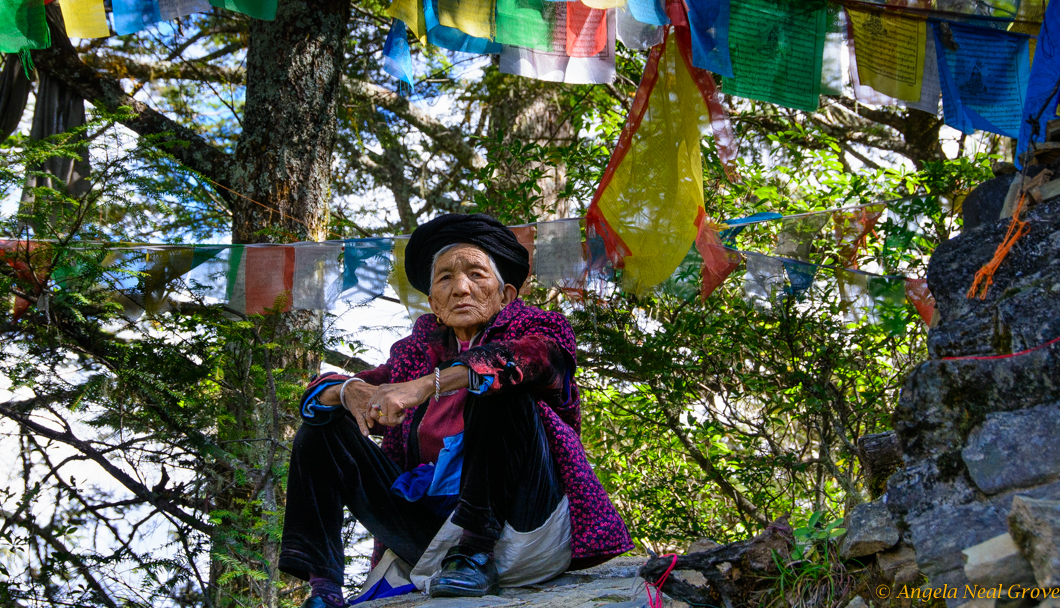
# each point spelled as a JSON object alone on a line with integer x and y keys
{"x": 342, "y": 390}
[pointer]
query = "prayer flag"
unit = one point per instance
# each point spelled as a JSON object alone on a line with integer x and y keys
{"x": 452, "y": 38}
{"x": 258, "y": 9}
{"x": 131, "y": 16}
{"x": 208, "y": 277}
{"x": 800, "y": 277}
{"x": 365, "y": 268}
{"x": 734, "y": 227}
{"x": 634, "y": 34}
{"x": 834, "y": 54}
{"x": 397, "y": 56}
{"x": 316, "y": 266}
{"x": 718, "y": 262}
{"x": 30, "y": 262}
{"x": 984, "y": 80}
{"x": 473, "y": 17}
{"x": 235, "y": 279}
{"x": 764, "y": 279}
{"x": 269, "y": 278}
{"x": 23, "y": 27}
{"x": 410, "y": 12}
{"x": 648, "y": 12}
{"x": 163, "y": 267}
{"x": 851, "y": 228}
{"x": 889, "y": 47}
{"x": 709, "y": 22}
{"x": 587, "y": 30}
{"x": 651, "y": 193}
{"x": 556, "y": 65}
{"x": 796, "y": 235}
{"x": 175, "y": 9}
{"x": 775, "y": 47}
{"x": 603, "y": 4}
{"x": 1042, "y": 93}
{"x": 527, "y": 23}
{"x": 559, "y": 260}
{"x": 920, "y": 296}
{"x": 415, "y": 302}
{"x": 85, "y": 18}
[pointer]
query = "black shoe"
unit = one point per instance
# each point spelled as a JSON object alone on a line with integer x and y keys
{"x": 314, "y": 602}
{"x": 466, "y": 572}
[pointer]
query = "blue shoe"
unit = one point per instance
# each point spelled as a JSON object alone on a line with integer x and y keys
{"x": 315, "y": 602}
{"x": 466, "y": 573}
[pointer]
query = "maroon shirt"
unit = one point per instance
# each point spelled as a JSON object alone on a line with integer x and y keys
{"x": 444, "y": 418}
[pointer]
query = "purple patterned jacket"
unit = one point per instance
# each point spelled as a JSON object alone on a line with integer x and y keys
{"x": 521, "y": 344}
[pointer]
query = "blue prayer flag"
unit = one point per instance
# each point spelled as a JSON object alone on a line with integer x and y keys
{"x": 709, "y": 22}
{"x": 397, "y": 56}
{"x": 800, "y": 275}
{"x": 984, "y": 79}
{"x": 1042, "y": 90}
{"x": 452, "y": 38}
{"x": 131, "y": 16}
{"x": 650, "y": 12}
{"x": 366, "y": 266}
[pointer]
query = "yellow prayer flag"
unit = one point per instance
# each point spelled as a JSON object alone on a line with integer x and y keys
{"x": 473, "y": 17}
{"x": 604, "y": 4}
{"x": 656, "y": 190}
{"x": 414, "y": 300}
{"x": 889, "y": 49}
{"x": 85, "y": 18}
{"x": 411, "y": 13}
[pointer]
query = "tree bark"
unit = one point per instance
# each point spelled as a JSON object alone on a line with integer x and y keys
{"x": 282, "y": 172}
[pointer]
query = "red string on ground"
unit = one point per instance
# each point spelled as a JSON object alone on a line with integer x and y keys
{"x": 1022, "y": 352}
{"x": 656, "y": 600}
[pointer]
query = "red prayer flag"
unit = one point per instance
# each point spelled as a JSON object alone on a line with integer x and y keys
{"x": 17, "y": 255}
{"x": 269, "y": 273}
{"x": 918, "y": 293}
{"x": 586, "y": 30}
{"x": 718, "y": 262}
{"x": 851, "y": 228}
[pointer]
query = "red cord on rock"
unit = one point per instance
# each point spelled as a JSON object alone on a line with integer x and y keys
{"x": 656, "y": 601}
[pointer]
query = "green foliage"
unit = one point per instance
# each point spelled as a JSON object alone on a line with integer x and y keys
{"x": 188, "y": 409}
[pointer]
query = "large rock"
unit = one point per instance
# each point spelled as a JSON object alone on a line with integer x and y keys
{"x": 870, "y": 529}
{"x": 975, "y": 428}
{"x": 995, "y": 562}
{"x": 1035, "y": 527}
{"x": 1014, "y": 449}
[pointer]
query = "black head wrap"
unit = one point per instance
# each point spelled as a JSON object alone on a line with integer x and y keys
{"x": 496, "y": 239}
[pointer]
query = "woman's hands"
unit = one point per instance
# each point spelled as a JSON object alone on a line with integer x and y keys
{"x": 386, "y": 404}
{"x": 389, "y": 402}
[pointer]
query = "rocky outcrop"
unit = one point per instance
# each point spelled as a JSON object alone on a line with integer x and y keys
{"x": 976, "y": 431}
{"x": 870, "y": 529}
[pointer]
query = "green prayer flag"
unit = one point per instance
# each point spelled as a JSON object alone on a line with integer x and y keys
{"x": 23, "y": 26}
{"x": 776, "y": 50}
{"x": 258, "y": 9}
{"x": 526, "y": 23}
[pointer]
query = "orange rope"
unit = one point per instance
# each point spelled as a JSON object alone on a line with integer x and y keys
{"x": 985, "y": 277}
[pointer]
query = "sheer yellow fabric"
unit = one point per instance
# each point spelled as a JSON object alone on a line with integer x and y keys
{"x": 85, "y": 18}
{"x": 414, "y": 301}
{"x": 656, "y": 192}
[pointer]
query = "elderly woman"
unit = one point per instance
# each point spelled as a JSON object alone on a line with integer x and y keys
{"x": 481, "y": 479}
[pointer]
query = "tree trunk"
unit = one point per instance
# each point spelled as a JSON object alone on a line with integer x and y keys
{"x": 283, "y": 159}
{"x": 281, "y": 184}
{"x": 526, "y": 111}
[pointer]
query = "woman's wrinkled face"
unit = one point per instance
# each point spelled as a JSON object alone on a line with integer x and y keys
{"x": 466, "y": 293}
